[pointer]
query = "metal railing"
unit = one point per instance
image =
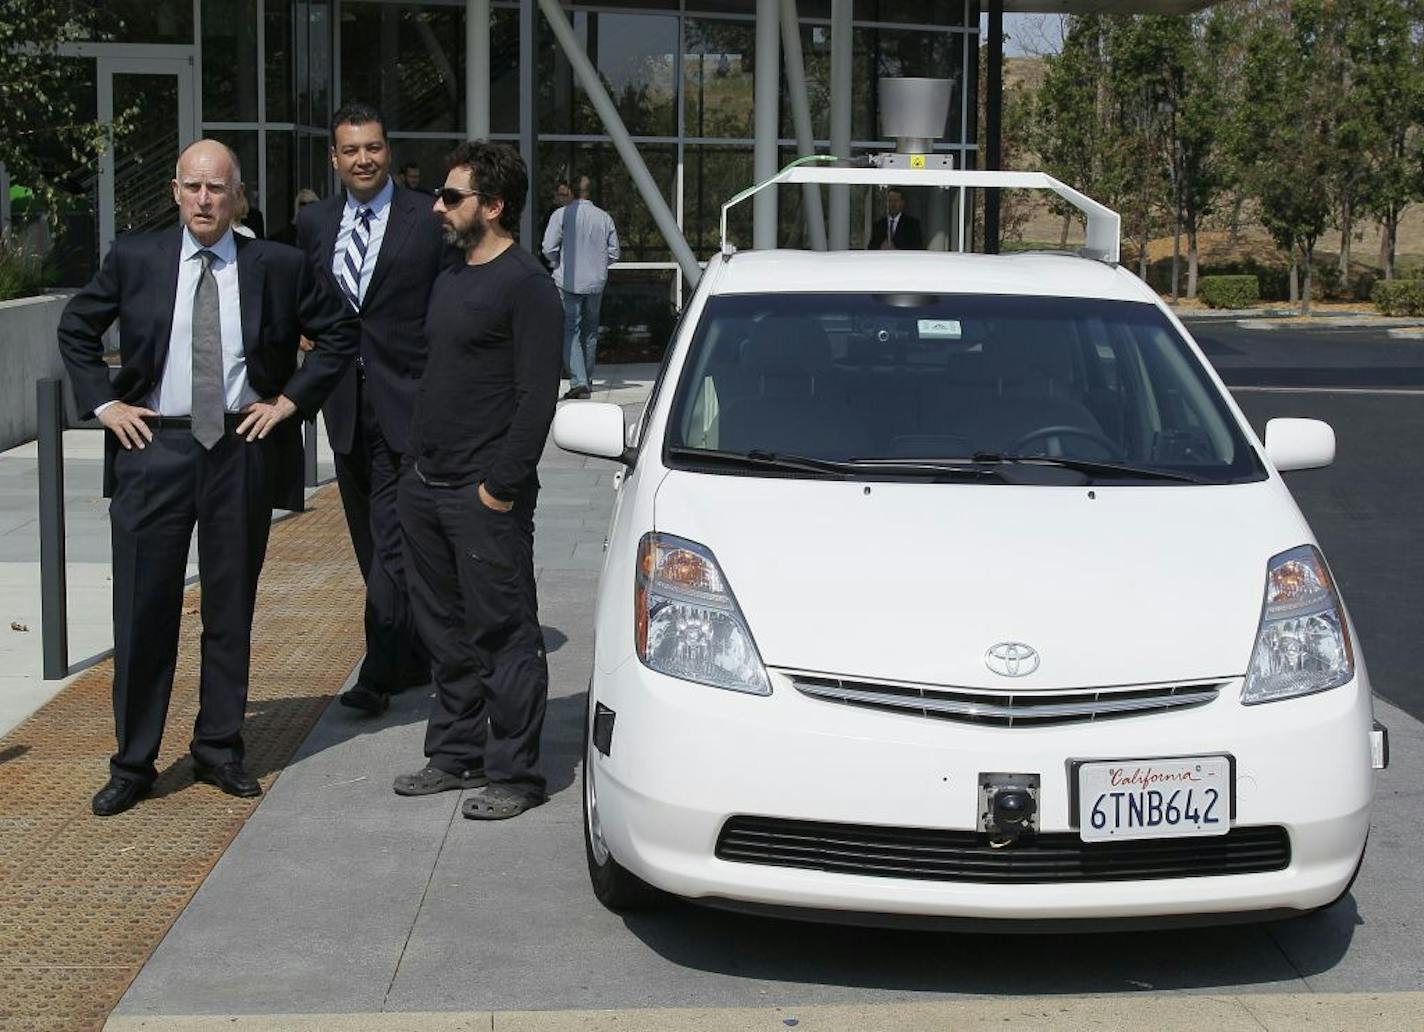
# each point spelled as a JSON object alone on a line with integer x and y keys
{"x": 54, "y": 584}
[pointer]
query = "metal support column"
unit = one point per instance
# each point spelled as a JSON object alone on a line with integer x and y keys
{"x": 812, "y": 214}
{"x": 767, "y": 102}
{"x": 477, "y": 68}
{"x": 993, "y": 128}
{"x": 309, "y": 455}
{"x": 54, "y": 601}
{"x": 622, "y": 142}
{"x": 842, "y": 61}
{"x": 529, "y": 234}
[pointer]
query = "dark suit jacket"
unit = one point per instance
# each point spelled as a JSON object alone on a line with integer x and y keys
{"x": 413, "y": 252}
{"x": 281, "y": 300}
{"x": 908, "y": 235}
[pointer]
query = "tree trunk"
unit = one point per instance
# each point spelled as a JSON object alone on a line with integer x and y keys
{"x": 1384, "y": 262}
{"x": 1142, "y": 257}
{"x": 1305, "y": 286}
{"x": 1191, "y": 264}
{"x": 1347, "y": 230}
{"x": 1234, "y": 237}
{"x": 1294, "y": 278}
{"x": 1391, "y": 242}
{"x": 1063, "y": 236}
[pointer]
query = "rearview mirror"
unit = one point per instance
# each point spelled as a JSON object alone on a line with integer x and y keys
{"x": 592, "y": 428}
{"x": 1299, "y": 444}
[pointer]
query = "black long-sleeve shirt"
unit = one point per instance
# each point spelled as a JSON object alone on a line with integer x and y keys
{"x": 491, "y": 383}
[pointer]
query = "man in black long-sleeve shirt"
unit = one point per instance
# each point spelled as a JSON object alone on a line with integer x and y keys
{"x": 467, "y": 495}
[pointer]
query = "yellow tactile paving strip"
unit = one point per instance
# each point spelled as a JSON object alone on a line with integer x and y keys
{"x": 84, "y": 900}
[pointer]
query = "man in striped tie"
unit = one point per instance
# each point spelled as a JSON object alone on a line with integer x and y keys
{"x": 383, "y": 246}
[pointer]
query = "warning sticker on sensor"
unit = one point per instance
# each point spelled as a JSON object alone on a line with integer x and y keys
{"x": 939, "y": 329}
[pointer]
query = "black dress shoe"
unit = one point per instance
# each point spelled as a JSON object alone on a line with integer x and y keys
{"x": 371, "y": 701}
{"x": 230, "y": 777}
{"x": 117, "y": 796}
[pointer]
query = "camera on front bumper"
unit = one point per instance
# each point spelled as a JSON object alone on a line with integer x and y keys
{"x": 1008, "y": 807}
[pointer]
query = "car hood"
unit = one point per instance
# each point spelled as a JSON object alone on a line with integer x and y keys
{"x": 913, "y": 582}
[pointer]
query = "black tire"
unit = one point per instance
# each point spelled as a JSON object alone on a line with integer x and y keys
{"x": 616, "y": 887}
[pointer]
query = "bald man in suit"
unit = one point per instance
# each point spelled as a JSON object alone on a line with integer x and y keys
{"x": 198, "y": 434}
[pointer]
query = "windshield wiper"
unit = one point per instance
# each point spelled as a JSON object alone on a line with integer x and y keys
{"x": 758, "y": 458}
{"x": 1092, "y": 467}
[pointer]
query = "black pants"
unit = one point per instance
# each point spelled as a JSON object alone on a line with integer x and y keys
{"x": 160, "y": 492}
{"x": 367, "y": 477}
{"x": 472, "y": 592}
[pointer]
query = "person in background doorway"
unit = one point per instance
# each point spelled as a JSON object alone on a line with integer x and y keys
{"x": 409, "y": 177}
{"x": 288, "y": 233}
{"x": 581, "y": 242}
{"x": 898, "y": 230}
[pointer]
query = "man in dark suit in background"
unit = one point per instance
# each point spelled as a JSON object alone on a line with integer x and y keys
{"x": 198, "y": 434}
{"x": 384, "y": 247}
{"x": 898, "y": 230}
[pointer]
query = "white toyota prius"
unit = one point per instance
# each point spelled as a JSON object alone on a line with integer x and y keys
{"x": 955, "y": 586}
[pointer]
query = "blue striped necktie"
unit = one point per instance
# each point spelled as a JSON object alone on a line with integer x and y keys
{"x": 356, "y": 257}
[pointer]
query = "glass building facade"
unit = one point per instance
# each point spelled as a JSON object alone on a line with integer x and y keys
{"x": 265, "y": 76}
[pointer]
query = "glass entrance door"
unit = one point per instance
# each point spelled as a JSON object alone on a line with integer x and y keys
{"x": 155, "y": 96}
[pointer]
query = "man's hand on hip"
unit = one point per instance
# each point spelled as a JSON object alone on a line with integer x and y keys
{"x": 263, "y": 415}
{"x": 491, "y": 502}
{"x": 126, "y": 423}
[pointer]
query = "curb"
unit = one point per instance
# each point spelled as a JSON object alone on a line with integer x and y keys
{"x": 1175, "y": 1012}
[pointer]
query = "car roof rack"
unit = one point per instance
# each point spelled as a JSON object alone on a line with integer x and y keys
{"x": 1104, "y": 224}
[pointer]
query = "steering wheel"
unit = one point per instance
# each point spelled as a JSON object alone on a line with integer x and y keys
{"x": 1113, "y": 449}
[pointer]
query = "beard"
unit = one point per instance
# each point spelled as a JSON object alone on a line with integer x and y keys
{"x": 466, "y": 239}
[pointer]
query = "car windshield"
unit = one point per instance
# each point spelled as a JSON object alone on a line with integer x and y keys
{"x": 1108, "y": 388}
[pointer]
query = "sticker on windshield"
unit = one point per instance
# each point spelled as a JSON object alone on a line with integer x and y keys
{"x": 939, "y": 329}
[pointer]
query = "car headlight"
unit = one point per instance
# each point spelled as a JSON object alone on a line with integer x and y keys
{"x": 687, "y": 622}
{"x": 1303, "y": 645}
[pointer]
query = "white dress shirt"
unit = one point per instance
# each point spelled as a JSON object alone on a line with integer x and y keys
{"x": 380, "y": 206}
{"x": 174, "y": 396}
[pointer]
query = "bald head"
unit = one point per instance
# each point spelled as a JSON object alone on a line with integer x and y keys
{"x": 206, "y": 185}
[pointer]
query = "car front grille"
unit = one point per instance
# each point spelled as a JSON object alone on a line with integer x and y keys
{"x": 929, "y": 854}
{"x": 1006, "y": 708}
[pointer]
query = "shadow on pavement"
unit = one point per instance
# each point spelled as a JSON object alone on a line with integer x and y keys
{"x": 956, "y": 962}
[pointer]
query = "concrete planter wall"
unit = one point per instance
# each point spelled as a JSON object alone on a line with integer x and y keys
{"x": 28, "y": 352}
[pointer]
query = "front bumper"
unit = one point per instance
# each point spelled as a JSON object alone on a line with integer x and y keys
{"x": 685, "y": 757}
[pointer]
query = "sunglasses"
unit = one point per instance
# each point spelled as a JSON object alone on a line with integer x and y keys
{"x": 453, "y": 197}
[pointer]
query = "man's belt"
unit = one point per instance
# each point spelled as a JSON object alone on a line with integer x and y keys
{"x": 231, "y": 420}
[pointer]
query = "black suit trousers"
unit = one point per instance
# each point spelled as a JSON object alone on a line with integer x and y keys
{"x": 472, "y": 592}
{"x": 367, "y": 476}
{"x": 160, "y": 493}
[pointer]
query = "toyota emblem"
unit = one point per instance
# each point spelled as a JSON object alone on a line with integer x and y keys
{"x": 1011, "y": 659}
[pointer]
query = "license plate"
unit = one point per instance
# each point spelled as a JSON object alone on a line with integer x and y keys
{"x": 1146, "y": 799}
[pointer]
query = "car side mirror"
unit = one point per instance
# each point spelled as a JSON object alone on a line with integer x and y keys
{"x": 592, "y": 428}
{"x": 1299, "y": 444}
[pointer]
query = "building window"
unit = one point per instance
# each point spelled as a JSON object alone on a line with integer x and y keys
{"x": 230, "y": 60}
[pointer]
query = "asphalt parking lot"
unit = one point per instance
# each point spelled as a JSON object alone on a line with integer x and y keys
{"x": 338, "y": 897}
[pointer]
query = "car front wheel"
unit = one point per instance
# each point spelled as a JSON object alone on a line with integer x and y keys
{"x": 616, "y": 887}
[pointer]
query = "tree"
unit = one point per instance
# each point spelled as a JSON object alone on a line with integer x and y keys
{"x": 1283, "y": 132}
{"x": 45, "y": 141}
{"x": 1385, "y": 44}
{"x": 1070, "y": 114}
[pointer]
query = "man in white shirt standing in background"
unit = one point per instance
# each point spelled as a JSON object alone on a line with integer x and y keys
{"x": 581, "y": 242}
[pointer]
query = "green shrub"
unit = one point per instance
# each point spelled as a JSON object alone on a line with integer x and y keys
{"x": 1229, "y": 291}
{"x": 1400, "y": 297}
{"x": 21, "y": 270}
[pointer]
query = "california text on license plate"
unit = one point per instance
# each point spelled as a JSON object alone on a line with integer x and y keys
{"x": 1142, "y": 799}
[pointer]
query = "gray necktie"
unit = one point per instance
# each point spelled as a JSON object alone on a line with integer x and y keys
{"x": 209, "y": 393}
